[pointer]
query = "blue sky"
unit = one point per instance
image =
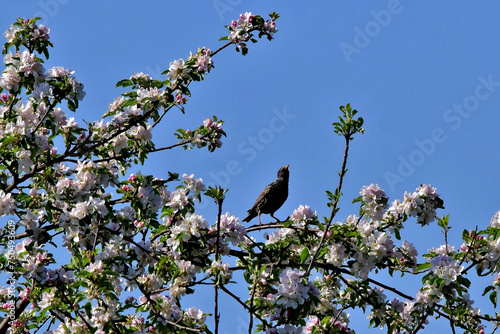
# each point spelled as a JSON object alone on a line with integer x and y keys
{"x": 424, "y": 76}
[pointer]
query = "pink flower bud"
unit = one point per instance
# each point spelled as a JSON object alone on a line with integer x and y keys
{"x": 33, "y": 192}
{"x": 207, "y": 123}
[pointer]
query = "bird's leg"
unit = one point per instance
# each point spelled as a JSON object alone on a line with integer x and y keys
{"x": 277, "y": 220}
{"x": 258, "y": 215}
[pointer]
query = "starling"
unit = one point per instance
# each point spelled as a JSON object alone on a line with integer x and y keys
{"x": 271, "y": 198}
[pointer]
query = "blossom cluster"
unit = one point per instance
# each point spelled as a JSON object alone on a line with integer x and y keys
{"x": 315, "y": 325}
{"x": 421, "y": 204}
{"x": 303, "y": 213}
{"x": 292, "y": 292}
{"x": 374, "y": 201}
{"x": 35, "y": 37}
{"x": 25, "y": 68}
{"x": 444, "y": 267}
{"x": 232, "y": 230}
{"x": 28, "y": 128}
{"x": 241, "y": 28}
{"x": 221, "y": 271}
{"x": 203, "y": 60}
{"x": 371, "y": 247}
{"x": 208, "y": 134}
{"x": 194, "y": 68}
{"x": 240, "y": 31}
{"x": 293, "y": 295}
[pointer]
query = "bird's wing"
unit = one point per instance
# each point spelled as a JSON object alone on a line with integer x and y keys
{"x": 259, "y": 202}
{"x": 262, "y": 199}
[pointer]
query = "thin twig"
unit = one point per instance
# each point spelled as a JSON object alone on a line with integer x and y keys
{"x": 184, "y": 142}
{"x": 339, "y": 313}
{"x": 49, "y": 109}
{"x": 421, "y": 324}
{"x": 358, "y": 291}
{"x": 386, "y": 287}
{"x": 216, "y": 278}
{"x": 473, "y": 239}
{"x": 41, "y": 325}
{"x": 223, "y": 288}
{"x": 118, "y": 157}
{"x": 165, "y": 110}
{"x": 445, "y": 231}
{"x": 450, "y": 317}
{"x": 250, "y": 311}
{"x": 263, "y": 250}
{"x": 334, "y": 208}
{"x": 95, "y": 240}
{"x": 213, "y": 53}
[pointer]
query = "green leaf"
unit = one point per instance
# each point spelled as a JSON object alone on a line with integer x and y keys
{"x": 124, "y": 83}
{"x": 329, "y": 194}
{"x": 488, "y": 289}
{"x": 129, "y": 102}
{"x": 357, "y": 199}
{"x": 494, "y": 298}
{"x": 443, "y": 222}
{"x": 217, "y": 193}
{"x": 422, "y": 267}
{"x": 463, "y": 281}
{"x": 304, "y": 255}
{"x": 465, "y": 235}
{"x": 71, "y": 105}
{"x": 172, "y": 176}
{"x": 88, "y": 309}
{"x": 397, "y": 234}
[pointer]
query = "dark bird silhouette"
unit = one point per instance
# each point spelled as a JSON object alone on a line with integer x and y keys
{"x": 271, "y": 198}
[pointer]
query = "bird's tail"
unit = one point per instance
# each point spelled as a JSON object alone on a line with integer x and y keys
{"x": 249, "y": 217}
